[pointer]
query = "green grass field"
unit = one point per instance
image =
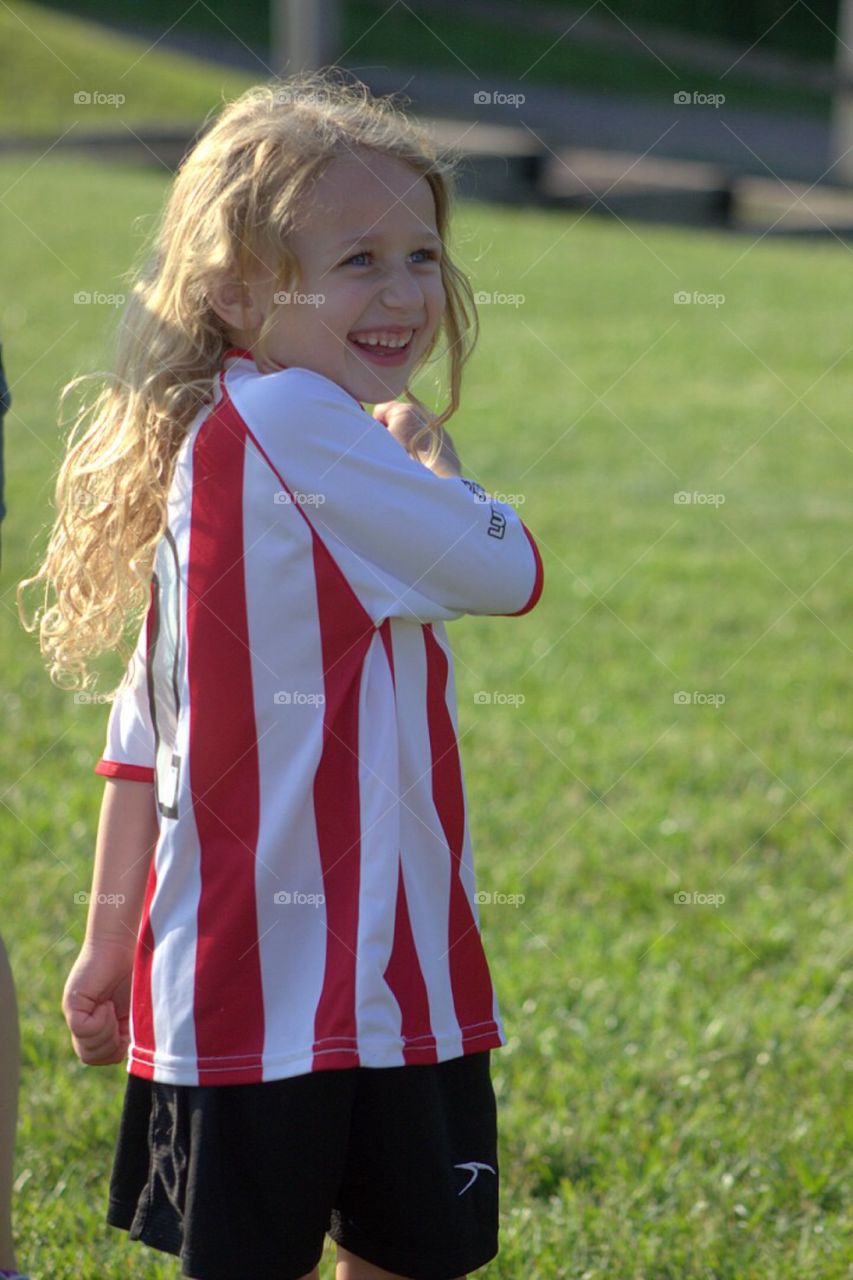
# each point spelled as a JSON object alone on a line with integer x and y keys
{"x": 671, "y": 1096}
{"x": 47, "y": 58}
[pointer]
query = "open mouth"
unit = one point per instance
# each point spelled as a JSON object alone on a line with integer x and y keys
{"x": 379, "y": 351}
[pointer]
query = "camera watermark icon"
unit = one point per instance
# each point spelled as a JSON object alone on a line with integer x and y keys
{"x": 487, "y": 898}
{"x": 699, "y": 899}
{"x": 690, "y": 497}
{"x": 85, "y": 299}
{"x": 684, "y": 698}
{"x": 297, "y": 97}
{"x": 82, "y": 899}
{"x": 510, "y": 499}
{"x": 483, "y": 697}
{"x": 495, "y": 97}
{"x": 282, "y": 497}
{"x": 683, "y": 298}
{"x": 287, "y": 698}
{"x": 88, "y": 498}
{"x": 284, "y": 898}
{"x": 698, "y": 99}
{"x": 84, "y": 699}
{"x": 485, "y": 297}
{"x": 82, "y": 98}
{"x": 285, "y": 298}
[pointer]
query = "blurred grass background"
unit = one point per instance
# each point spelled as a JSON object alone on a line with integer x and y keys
{"x": 41, "y": 52}
{"x": 672, "y": 1094}
{"x": 41, "y": 49}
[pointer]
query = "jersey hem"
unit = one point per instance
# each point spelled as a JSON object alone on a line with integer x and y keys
{"x": 373, "y": 1054}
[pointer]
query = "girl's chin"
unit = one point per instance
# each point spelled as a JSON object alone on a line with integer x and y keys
{"x": 378, "y": 378}
{"x": 366, "y": 384}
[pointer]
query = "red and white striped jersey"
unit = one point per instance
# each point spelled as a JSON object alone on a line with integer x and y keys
{"x": 311, "y": 902}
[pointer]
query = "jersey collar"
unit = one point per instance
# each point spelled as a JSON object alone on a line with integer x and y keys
{"x": 233, "y": 354}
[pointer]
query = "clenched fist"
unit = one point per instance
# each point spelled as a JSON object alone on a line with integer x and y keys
{"x": 96, "y": 1002}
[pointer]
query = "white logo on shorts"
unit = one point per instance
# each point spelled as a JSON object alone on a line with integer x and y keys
{"x": 475, "y": 1166}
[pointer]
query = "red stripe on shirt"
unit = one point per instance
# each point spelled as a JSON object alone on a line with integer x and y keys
{"x": 469, "y": 974}
{"x": 144, "y": 1043}
{"x": 346, "y": 631}
{"x": 223, "y": 759}
{"x": 142, "y": 998}
{"x": 538, "y": 582}
{"x": 403, "y": 973}
{"x": 406, "y": 980}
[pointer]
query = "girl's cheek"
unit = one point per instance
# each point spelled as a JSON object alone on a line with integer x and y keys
{"x": 350, "y": 295}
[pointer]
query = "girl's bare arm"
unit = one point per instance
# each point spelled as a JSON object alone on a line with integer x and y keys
{"x": 127, "y": 833}
{"x": 96, "y": 998}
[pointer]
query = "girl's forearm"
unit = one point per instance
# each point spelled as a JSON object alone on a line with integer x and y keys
{"x": 127, "y": 834}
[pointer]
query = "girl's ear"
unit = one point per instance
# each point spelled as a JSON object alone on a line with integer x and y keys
{"x": 234, "y": 303}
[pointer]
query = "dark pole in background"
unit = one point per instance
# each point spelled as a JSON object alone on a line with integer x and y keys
{"x": 305, "y": 34}
{"x": 842, "y": 106}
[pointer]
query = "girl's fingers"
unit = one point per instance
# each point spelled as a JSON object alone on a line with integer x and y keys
{"x": 102, "y": 1048}
{"x": 87, "y": 1032}
{"x": 94, "y": 1033}
{"x": 99, "y": 1024}
{"x": 380, "y": 413}
{"x": 104, "y": 1055}
{"x": 87, "y": 1022}
{"x": 101, "y": 1057}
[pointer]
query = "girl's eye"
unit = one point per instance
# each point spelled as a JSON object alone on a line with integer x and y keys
{"x": 431, "y": 254}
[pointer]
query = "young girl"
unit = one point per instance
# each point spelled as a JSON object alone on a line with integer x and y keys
{"x": 283, "y": 933}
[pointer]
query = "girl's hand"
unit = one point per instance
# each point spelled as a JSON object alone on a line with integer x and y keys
{"x": 403, "y": 420}
{"x": 96, "y": 1002}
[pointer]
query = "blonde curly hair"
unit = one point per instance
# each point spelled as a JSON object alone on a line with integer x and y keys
{"x": 234, "y": 198}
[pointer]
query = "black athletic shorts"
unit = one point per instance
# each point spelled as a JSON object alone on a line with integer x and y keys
{"x": 397, "y": 1164}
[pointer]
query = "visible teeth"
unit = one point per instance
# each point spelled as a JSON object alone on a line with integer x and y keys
{"x": 375, "y": 341}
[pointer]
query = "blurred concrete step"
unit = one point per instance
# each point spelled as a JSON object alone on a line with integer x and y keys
{"x": 504, "y": 163}
{"x": 159, "y": 147}
{"x": 792, "y": 207}
{"x": 652, "y": 188}
{"x": 497, "y": 162}
{"x": 500, "y": 163}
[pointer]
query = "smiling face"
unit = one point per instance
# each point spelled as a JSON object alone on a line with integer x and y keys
{"x": 369, "y": 248}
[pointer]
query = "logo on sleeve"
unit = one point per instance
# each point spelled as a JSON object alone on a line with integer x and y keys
{"x": 497, "y": 523}
{"x": 477, "y": 489}
{"x": 474, "y": 1167}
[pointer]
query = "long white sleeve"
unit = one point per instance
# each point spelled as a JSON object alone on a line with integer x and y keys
{"x": 411, "y": 544}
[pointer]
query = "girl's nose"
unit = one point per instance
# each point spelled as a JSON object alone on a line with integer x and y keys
{"x": 400, "y": 290}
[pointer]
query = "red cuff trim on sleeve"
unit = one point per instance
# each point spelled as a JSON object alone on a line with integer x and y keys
{"x": 537, "y": 585}
{"x": 132, "y": 772}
